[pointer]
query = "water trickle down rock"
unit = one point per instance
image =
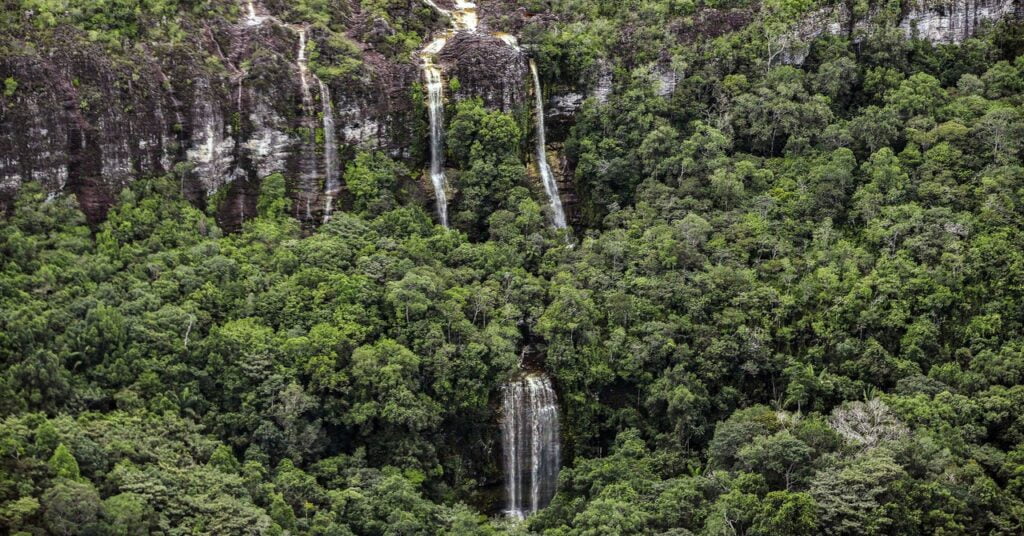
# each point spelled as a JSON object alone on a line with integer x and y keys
{"x": 251, "y": 17}
{"x": 547, "y": 177}
{"x": 531, "y": 443}
{"x": 309, "y": 175}
{"x": 463, "y": 19}
{"x": 331, "y": 184}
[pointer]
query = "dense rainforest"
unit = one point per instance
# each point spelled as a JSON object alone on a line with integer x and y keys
{"x": 789, "y": 299}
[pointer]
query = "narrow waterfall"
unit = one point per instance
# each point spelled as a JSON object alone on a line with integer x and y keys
{"x": 331, "y": 185}
{"x": 300, "y": 61}
{"x": 463, "y": 19}
{"x": 547, "y": 177}
{"x": 309, "y": 166}
{"x": 252, "y": 19}
{"x": 531, "y": 444}
{"x": 435, "y": 107}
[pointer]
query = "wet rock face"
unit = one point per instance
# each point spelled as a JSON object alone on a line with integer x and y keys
{"x": 227, "y": 108}
{"x": 79, "y": 122}
{"x": 955, "y": 20}
{"x": 949, "y": 22}
{"x": 220, "y": 112}
{"x": 488, "y": 68}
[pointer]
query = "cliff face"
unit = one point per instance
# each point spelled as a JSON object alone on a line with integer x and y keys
{"x": 488, "y": 68}
{"x": 221, "y": 112}
{"x": 946, "y": 22}
{"x": 234, "y": 104}
{"x": 237, "y": 101}
{"x": 953, "y": 21}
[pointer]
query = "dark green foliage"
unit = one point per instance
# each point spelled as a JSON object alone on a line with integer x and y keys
{"x": 792, "y": 305}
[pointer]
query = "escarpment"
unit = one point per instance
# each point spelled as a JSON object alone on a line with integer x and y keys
{"x": 224, "y": 109}
{"x": 249, "y": 92}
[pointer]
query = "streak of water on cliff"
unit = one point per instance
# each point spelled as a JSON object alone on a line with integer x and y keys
{"x": 547, "y": 177}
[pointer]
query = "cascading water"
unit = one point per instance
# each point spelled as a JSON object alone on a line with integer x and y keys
{"x": 252, "y": 19}
{"x": 463, "y": 19}
{"x": 435, "y": 107}
{"x": 309, "y": 174}
{"x": 300, "y": 61}
{"x": 331, "y": 185}
{"x": 531, "y": 443}
{"x": 547, "y": 177}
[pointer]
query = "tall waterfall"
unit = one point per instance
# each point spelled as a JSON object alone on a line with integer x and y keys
{"x": 300, "y": 61}
{"x": 463, "y": 19}
{"x": 547, "y": 177}
{"x": 531, "y": 444}
{"x": 309, "y": 159}
{"x": 435, "y": 106}
{"x": 330, "y": 150}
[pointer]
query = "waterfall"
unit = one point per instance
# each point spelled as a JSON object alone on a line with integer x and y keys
{"x": 330, "y": 150}
{"x": 463, "y": 19}
{"x": 530, "y": 443}
{"x": 547, "y": 177}
{"x": 309, "y": 166}
{"x": 435, "y": 106}
{"x": 252, "y": 19}
{"x": 300, "y": 60}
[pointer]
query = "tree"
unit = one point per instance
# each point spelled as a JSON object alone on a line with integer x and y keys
{"x": 867, "y": 423}
{"x": 18, "y": 513}
{"x": 784, "y": 512}
{"x": 70, "y": 507}
{"x": 126, "y": 514}
{"x": 615, "y": 511}
{"x": 857, "y": 498}
{"x": 369, "y": 178}
{"x": 63, "y": 463}
{"x": 917, "y": 95}
{"x": 485, "y": 145}
{"x": 739, "y": 429}
{"x": 781, "y": 458}
{"x": 281, "y": 512}
{"x": 386, "y": 389}
{"x": 887, "y": 184}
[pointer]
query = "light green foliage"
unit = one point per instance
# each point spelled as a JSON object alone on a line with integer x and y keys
{"x": 272, "y": 201}
{"x": 63, "y": 464}
{"x": 370, "y": 179}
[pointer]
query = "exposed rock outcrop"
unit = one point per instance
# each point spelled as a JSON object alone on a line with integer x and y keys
{"x": 228, "y": 106}
{"x": 225, "y": 108}
{"x": 955, "y": 20}
{"x": 488, "y": 68}
{"x": 948, "y": 22}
